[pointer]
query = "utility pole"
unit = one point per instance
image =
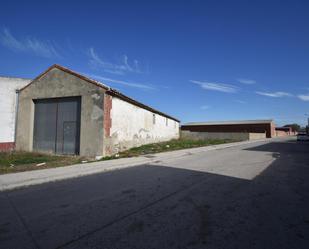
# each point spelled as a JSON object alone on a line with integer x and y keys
{"x": 307, "y": 127}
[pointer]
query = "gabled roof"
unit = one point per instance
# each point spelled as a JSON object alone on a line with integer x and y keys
{"x": 233, "y": 122}
{"x": 64, "y": 69}
{"x": 109, "y": 90}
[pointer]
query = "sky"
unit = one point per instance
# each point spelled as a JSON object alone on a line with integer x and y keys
{"x": 195, "y": 60}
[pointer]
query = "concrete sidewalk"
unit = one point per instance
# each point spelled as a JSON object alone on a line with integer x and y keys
{"x": 24, "y": 179}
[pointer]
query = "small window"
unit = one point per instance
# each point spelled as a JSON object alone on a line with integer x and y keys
{"x": 154, "y": 118}
{"x": 174, "y": 124}
{"x": 166, "y": 121}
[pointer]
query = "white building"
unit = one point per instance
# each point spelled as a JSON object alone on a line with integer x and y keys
{"x": 8, "y": 87}
{"x": 64, "y": 112}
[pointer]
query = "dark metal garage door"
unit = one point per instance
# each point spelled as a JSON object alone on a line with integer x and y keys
{"x": 57, "y": 125}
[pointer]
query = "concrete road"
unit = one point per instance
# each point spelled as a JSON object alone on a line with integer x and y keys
{"x": 249, "y": 196}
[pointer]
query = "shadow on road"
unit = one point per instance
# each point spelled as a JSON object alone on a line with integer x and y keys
{"x": 288, "y": 147}
{"x": 156, "y": 206}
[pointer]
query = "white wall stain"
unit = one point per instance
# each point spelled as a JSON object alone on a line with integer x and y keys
{"x": 96, "y": 113}
{"x": 96, "y": 96}
{"x": 134, "y": 126}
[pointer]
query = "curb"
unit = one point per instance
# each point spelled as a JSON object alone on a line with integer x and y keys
{"x": 24, "y": 179}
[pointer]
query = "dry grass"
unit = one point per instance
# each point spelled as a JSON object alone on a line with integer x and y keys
{"x": 22, "y": 161}
{"x": 175, "y": 144}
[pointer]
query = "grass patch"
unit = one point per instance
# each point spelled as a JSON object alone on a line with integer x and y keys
{"x": 175, "y": 144}
{"x": 22, "y": 161}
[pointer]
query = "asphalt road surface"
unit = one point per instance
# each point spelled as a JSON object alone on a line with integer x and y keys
{"x": 249, "y": 196}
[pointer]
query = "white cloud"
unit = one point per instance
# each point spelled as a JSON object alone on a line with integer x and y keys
{"x": 275, "y": 94}
{"x": 205, "y": 107}
{"x": 240, "y": 101}
{"x": 121, "y": 82}
{"x": 213, "y": 86}
{"x": 246, "y": 81}
{"x": 122, "y": 68}
{"x": 29, "y": 45}
{"x": 303, "y": 97}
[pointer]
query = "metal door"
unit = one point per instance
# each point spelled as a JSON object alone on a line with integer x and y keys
{"x": 44, "y": 134}
{"x": 57, "y": 125}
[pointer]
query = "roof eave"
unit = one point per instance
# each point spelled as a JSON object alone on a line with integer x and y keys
{"x": 108, "y": 89}
{"x": 65, "y": 70}
{"x": 117, "y": 94}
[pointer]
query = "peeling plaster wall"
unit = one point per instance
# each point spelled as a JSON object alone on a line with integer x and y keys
{"x": 132, "y": 126}
{"x": 57, "y": 83}
{"x": 8, "y": 87}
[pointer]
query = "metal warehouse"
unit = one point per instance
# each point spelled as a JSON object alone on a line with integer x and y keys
{"x": 64, "y": 112}
{"x": 240, "y": 126}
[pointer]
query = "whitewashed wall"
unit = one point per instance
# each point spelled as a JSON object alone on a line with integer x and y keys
{"x": 8, "y": 88}
{"x": 133, "y": 126}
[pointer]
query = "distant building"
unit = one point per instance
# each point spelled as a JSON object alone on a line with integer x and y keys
{"x": 239, "y": 126}
{"x": 284, "y": 131}
{"x": 64, "y": 112}
{"x": 8, "y": 100}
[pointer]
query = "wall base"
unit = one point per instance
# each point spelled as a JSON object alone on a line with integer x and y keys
{"x": 7, "y": 146}
{"x": 237, "y": 136}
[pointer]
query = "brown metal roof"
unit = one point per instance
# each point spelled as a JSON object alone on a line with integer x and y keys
{"x": 108, "y": 89}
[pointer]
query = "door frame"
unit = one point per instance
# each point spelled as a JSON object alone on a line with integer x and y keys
{"x": 78, "y": 120}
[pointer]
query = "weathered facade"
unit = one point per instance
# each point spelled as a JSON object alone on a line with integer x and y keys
{"x": 133, "y": 126}
{"x": 8, "y": 105}
{"x": 241, "y": 126}
{"x": 64, "y": 112}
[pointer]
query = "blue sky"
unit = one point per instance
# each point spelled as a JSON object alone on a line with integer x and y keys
{"x": 196, "y": 60}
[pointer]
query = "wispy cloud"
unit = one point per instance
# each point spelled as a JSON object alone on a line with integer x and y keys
{"x": 214, "y": 86}
{"x": 246, "y": 81}
{"x": 28, "y": 45}
{"x": 240, "y": 101}
{"x": 303, "y": 97}
{"x": 123, "y": 67}
{"x": 275, "y": 94}
{"x": 121, "y": 82}
{"x": 205, "y": 107}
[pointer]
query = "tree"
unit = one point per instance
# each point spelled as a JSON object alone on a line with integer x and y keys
{"x": 295, "y": 127}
